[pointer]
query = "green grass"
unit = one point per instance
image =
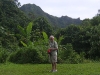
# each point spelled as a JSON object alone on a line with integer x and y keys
{"x": 43, "y": 69}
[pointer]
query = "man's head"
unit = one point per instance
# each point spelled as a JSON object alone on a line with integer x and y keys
{"x": 51, "y": 38}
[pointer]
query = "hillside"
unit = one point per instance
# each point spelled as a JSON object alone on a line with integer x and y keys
{"x": 11, "y": 16}
{"x": 34, "y": 11}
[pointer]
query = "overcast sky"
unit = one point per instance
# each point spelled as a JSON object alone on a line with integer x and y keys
{"x": 72, "y": 8}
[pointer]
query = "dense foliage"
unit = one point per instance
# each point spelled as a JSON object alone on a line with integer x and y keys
{"x": 84, "y": 38}
{"x": 25, "y": 39}
{"x": 11, "y": 15}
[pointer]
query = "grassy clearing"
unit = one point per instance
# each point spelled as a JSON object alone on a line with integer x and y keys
{"x": 43, "y": 69}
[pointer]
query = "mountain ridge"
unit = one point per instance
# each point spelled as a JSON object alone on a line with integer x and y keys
{"x": 36, "y": 11}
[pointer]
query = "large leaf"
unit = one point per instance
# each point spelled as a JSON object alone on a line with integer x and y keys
{"x": 45, "y": 36}
{"x": 21, "y": 30}
{"x": 29, "y": 29}
{"x": 60, "y": 39}
{"x": 25, "y": 45}
{"x": 55, "y": 38}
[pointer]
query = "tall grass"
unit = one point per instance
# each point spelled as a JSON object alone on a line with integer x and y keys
{"x": 43, "y": 69}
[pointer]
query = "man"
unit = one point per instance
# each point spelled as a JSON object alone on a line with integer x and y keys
{"x": 53, "y": 47}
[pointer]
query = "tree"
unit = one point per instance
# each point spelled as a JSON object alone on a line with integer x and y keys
{"x": 41, "y": 25}
{"x": 95, "y": 21}
{"x": 95, "y": 42}
{"x": 11, "y": 15}
{"x": 69, "y": 34}
{"x": 25, "y": 34}
{"x": 86, "y": 22}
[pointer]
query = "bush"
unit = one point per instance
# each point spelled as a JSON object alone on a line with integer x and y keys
{"x": 3, "y": 55}
{"x": 29, "y": 55}
{"x": 68, "y": 55}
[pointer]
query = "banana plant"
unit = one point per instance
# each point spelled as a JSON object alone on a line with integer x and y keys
{"x": 45, "y": 36}
{"x": 26, "y": 33}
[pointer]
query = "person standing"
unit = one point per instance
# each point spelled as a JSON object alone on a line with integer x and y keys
{"x": 53, "y": 47}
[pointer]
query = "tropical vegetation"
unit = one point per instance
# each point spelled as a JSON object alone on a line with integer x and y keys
{"x": 25, "y": 40}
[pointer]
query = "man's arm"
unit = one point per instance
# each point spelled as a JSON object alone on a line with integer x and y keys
{"x": 55, "y": 45}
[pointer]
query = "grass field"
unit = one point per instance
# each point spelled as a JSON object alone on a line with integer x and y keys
{"x": 43, "y": 69}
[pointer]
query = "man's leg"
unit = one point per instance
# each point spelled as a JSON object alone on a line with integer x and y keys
{"x": 55, "y": 66}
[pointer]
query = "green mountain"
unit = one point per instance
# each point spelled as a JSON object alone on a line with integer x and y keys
{"x": 33, "y": 11}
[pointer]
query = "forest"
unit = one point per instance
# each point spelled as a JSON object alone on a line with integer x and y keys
{"x": 24, "y": 39}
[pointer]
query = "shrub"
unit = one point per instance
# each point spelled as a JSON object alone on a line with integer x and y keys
{"x": 68, "y": 55}
{"x": 3, "y": 55}
{"x": 29, "y": 55}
